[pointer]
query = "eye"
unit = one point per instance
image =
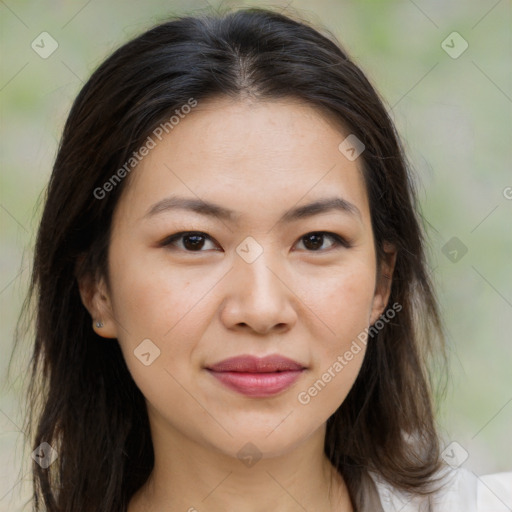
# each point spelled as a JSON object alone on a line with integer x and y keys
{"x": 193, "y": 241}
{"x": 315, "y": 240}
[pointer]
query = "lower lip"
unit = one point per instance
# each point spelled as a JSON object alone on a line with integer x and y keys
{"x": 258, "y": 384}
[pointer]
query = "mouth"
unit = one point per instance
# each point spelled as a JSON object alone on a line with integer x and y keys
{"x": 257, "y": 377}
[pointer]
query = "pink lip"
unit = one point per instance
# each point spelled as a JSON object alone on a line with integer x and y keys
{"x": 257, "y": 377}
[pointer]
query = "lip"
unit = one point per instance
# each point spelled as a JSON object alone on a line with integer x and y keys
{"x": 257, "y": 376}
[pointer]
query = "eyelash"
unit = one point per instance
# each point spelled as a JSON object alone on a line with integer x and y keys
{"x": 339, "y": 241}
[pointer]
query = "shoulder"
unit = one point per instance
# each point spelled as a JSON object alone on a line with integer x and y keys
{"x": 460, "y": 491}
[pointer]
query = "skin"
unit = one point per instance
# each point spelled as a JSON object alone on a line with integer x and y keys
{"x": 258, "y": 159}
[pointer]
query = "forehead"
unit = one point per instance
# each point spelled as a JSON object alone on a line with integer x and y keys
{"x": 249, "y": 155}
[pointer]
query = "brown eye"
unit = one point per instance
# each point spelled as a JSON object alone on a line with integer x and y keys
{"x": 191, "y": 241}
{"x": 314, "y": 241}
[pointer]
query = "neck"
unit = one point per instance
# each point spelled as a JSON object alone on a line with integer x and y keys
{"x": 188, "y": 476}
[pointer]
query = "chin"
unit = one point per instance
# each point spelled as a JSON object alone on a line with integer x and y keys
{"x": 261, "y": 443}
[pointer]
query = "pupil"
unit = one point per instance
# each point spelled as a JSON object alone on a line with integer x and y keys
{"x": 317, "y": 241}
{"x": 197, "y": 241}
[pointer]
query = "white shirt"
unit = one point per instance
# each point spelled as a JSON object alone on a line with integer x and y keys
{"x": 464, "y": 492}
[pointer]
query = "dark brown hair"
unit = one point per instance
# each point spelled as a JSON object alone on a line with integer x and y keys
{"x": 83, "y": 400}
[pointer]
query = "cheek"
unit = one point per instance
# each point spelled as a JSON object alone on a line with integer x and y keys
{"x": 165, "y": 305}
{"x": 152, "y": 298}
{"x": 163, "y": 313}
{"x": 330, "y": 384}
{"x": 343, "y": 303}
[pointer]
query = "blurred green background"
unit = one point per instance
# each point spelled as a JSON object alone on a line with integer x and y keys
{"x": 453, "y": 112}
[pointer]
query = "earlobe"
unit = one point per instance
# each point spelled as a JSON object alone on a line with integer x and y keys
{"x": 96, "y": 299}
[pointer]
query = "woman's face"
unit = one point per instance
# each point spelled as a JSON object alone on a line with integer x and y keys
{"x": 267, "y": 275}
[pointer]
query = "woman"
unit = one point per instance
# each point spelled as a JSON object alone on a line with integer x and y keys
{"x": 233, "y": 308}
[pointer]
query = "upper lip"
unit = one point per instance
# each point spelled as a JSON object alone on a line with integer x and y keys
{"x": 252, "y": 364}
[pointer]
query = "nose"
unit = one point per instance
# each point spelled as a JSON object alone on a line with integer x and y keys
{"x": 258, "y": 298}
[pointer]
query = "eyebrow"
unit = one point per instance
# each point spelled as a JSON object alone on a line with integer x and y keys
{"x": 209, "y": 209}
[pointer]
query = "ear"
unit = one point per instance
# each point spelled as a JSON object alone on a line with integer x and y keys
{"x": 96, "y": 298}
{"x": 383, "y": 282}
